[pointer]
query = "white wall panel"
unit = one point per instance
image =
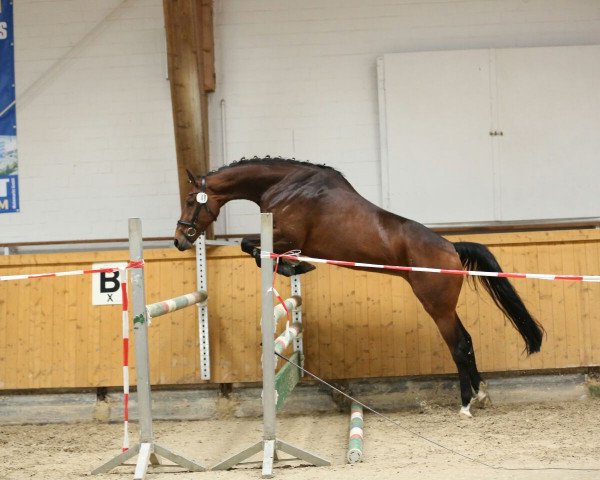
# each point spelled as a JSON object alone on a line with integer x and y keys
{"x": 549, "y": 112}
{"x": 95, "y": 134}
{"x": 299, "y": 77}
{"x": 492, "y": 135}
{"x": 439, "y": 166}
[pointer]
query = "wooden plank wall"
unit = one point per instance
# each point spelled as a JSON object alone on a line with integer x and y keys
{"x": 51, "y": 336}
{"x": 357, "y": 324}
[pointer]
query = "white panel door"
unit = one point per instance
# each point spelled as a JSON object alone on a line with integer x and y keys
{"x": 438, "y": 159}
{"x": 549, "y": 113}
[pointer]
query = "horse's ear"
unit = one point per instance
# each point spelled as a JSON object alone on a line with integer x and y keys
{"x": 191, "y": 177}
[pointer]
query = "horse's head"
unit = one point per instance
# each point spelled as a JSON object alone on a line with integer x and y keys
{"x": 199, "y": 211}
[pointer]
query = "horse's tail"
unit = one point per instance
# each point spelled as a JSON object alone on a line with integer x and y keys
{"x": 475, "y": 256}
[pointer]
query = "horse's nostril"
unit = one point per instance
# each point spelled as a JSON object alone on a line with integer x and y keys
{"x": 176, "y": 243}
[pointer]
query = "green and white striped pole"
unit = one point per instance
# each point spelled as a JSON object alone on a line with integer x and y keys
{"x": 177, "y": 303}
{"x": 355, "y": 436}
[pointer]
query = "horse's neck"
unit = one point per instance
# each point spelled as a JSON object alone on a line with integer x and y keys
{"x": 246, "y": 182}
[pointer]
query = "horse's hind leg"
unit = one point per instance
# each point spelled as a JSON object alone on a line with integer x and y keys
{"x": 439, "y": 296}
{"x": 461, "y": 349}
{"x": 477, "y": 383}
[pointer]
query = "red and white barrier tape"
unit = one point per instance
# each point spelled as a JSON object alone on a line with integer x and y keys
{"x": 276, "y": 293}
{"x": 136, "y": 264}
{"x": 341, "y": 263}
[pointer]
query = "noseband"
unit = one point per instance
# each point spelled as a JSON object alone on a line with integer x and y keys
{"x": 201, "y": 202}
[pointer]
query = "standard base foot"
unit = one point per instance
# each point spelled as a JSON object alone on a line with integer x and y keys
{"x": 148, "y": 455}
{"x": 270, "y": 449}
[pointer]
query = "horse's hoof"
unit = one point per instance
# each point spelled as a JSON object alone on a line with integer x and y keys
{"x": 465, "y": 412}
{"x": 248, "y": 246}
{"x": 304, "y": 267}
{"x": 483, "y": 400}
{"x": 483, "y": 397}
{"x": 287, "y": 270}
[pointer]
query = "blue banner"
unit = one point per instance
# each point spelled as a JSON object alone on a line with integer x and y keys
{"x": 9, "y": 165}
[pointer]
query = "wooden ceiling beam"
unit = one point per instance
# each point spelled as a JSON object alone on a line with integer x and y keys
{"x": 190, "y": 54}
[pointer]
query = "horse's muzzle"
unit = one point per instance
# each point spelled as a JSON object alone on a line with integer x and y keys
{"x": 182, "y": 243}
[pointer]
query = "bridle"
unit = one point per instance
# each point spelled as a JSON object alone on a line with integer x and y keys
{"x": 201, "y": 202}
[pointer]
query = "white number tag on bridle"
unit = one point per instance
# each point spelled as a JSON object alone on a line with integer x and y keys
{"x": 202, "y": 197}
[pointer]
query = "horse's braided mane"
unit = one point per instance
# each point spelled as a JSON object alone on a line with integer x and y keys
{"x": 273, "y": 161}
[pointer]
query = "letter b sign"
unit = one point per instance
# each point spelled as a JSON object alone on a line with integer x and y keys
{"x": 106, "y": 286}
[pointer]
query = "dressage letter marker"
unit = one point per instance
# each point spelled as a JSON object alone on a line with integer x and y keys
{"x": 106, "y": 286}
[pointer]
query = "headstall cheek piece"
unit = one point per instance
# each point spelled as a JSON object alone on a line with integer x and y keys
{"x": 201, "y": 202}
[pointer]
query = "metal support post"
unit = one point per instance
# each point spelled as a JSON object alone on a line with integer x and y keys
{"x": 297, "y": 317}
{"x": 270, "y": 444}
{"x": 140, "y": 331}
{"x": 268, "y": 328}
{"x": 202, "y": 308}
{"x": 146, "y": 449}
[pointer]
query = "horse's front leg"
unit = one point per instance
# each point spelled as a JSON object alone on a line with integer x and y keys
{"x": 287, "y": 268}
{"x": 250, "y": 245}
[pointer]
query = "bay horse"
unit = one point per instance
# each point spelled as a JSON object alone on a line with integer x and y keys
{"x": 317, "y": 211}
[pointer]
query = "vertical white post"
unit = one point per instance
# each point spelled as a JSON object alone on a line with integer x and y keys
{"x": 297, "y": 313}
{"x": 202, "y": 309}
{"x": 384, "y": 172}
{"x": 140, "y": 330}
{"x": 268, "y": 360}
{"x": 270, "y": 444}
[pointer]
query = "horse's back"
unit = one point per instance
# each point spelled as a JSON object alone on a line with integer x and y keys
{"x": 331, "y": 219}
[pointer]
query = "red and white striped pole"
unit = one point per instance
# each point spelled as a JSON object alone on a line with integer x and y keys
{"x": 125, "y": 319}
{"x": 135, "y": 264}
{"x": 341, "y": 263}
